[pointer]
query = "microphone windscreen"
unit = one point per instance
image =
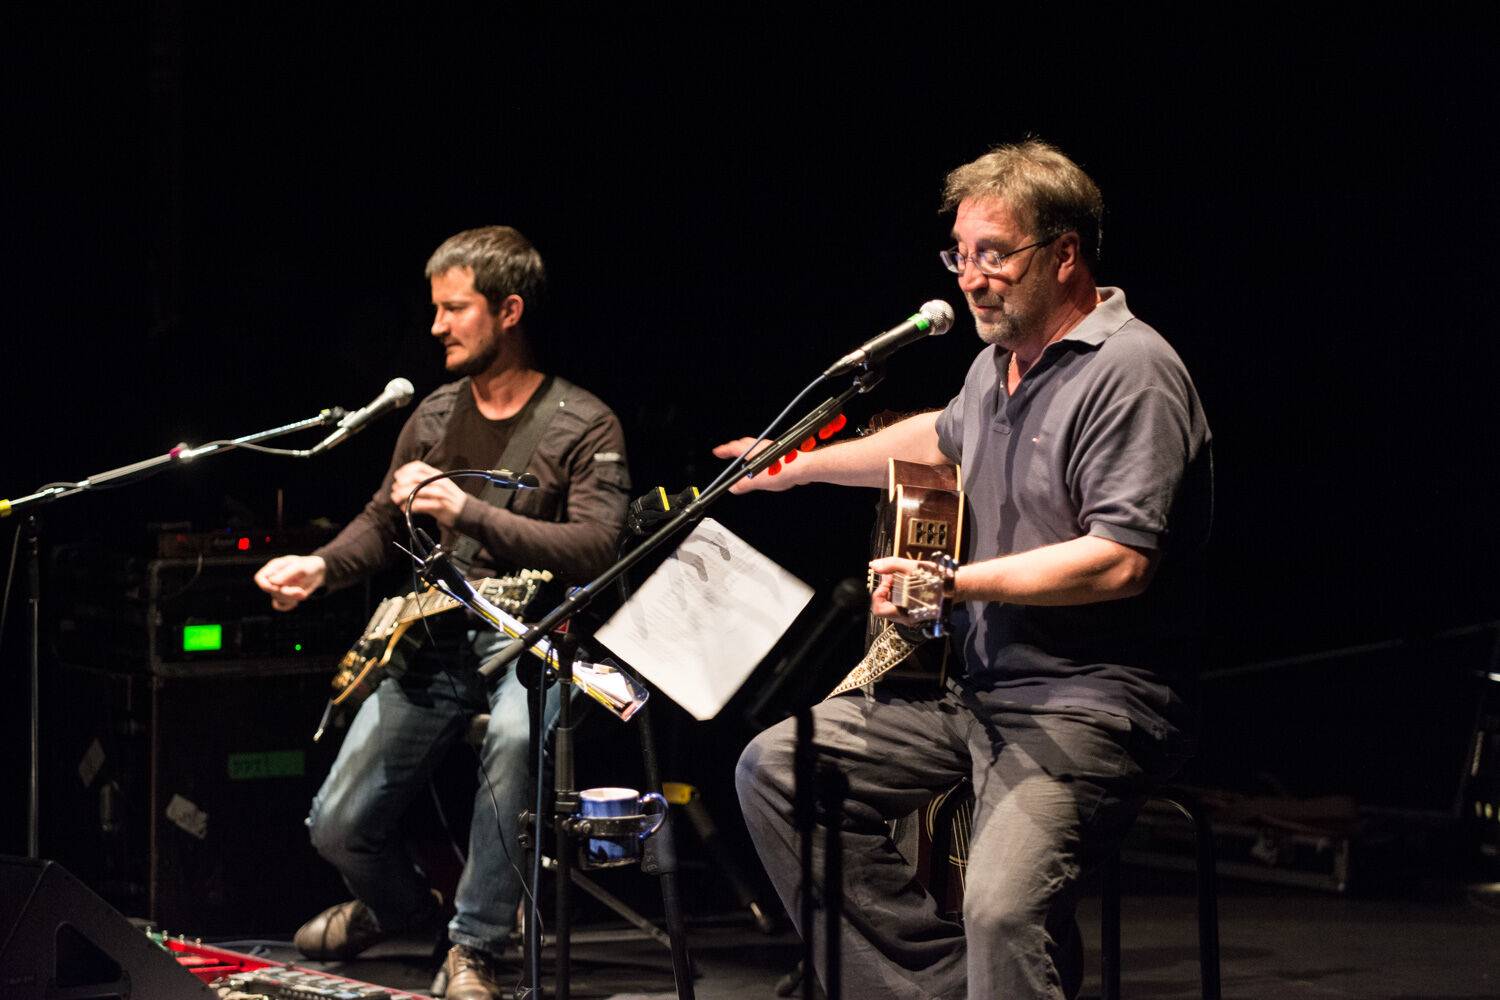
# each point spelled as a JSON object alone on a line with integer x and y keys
{"x": 399, "y": 390}
{"x": 941, "y": 314}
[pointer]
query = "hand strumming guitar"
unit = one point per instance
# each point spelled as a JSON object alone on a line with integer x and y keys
{"x": 918, "y": 588}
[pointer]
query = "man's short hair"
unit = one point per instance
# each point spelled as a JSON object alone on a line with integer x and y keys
{"x": 1047, "y": 190}
{"x": 504, "y": 263}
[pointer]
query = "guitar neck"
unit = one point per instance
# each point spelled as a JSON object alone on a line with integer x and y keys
{"x": 433, "y": 601}
{"x": 423, "y": 605}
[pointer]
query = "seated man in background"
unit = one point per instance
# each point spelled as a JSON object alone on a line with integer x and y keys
{"x": 486, "y": 286}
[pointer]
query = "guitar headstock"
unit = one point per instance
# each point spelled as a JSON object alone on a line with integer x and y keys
{"x": 513, "y": 593}
{"x": 922, "y": 596}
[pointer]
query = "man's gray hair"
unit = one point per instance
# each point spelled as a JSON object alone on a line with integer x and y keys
{"x": 1046, "y": 190}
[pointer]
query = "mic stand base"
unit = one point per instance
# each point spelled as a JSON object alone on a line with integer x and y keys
{"x": 658, "y": 854}
{"x": 819, "y": 800}
{"x": 659, "y": 858}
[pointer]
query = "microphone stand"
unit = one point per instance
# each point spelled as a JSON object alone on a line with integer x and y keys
{"x": 582, "y": 597}
{"x": 433, "y": 565}
{"x": 50, "y": 494}
{"x": 864, "y": 380}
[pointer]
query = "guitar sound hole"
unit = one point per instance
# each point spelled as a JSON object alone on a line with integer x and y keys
{"x": 927, "y": 534}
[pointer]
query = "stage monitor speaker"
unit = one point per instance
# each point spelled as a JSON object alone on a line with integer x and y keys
{"x": 59, "y": 941}
{"x": 182, "y": 798}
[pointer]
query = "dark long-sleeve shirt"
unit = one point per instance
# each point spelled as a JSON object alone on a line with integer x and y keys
{"x": 568, "y": 525}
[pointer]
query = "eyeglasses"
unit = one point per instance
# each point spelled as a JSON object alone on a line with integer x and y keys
{"x": 988, "y": 261}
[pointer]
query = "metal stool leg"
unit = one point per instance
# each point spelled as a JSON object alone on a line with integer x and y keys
{"x": 1205, "y": 862}
{"x": 1208, "y": 905}
{"x": 1109, "y": 931}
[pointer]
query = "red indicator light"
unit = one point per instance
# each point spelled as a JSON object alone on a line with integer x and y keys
{"x": 243, "y": 545}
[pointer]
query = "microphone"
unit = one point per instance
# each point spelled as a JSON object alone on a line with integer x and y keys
{"x": 511, "y": 481}
{"x": 932, "y": 319}
{"x": 397, "y": 393}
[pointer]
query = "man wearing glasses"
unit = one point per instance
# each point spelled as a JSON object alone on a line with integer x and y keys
{"x": 1086, "y": 465}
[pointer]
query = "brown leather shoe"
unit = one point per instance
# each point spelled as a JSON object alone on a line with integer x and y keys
{"x": 339, "y": 932}
{"x": 472, "y": 975}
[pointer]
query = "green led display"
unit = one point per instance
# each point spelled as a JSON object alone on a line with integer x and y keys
{"x": 202, "y": 638}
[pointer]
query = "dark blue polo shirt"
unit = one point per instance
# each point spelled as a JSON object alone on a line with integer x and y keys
{"x": 1105, "y": 436}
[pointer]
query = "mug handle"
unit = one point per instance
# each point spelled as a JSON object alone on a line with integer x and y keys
{"x": 660, "y": 811}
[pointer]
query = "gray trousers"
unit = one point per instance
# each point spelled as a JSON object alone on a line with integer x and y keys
{"x": 1055, "y": 790}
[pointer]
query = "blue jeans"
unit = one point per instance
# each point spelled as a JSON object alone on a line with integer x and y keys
{"x": 398, "y": 736}
{"x": 1055, "y": 790}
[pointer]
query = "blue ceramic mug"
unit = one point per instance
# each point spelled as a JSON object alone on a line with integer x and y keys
{"x": 608, "y": 802}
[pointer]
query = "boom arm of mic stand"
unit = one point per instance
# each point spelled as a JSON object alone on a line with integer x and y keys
{"x": 691, "y": 514}
{"x": 138, "y": 470}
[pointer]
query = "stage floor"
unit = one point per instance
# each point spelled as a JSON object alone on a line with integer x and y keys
{"x": 1429, "y": 942}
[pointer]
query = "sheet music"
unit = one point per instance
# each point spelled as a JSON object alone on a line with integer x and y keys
{"x": 702, "y": 622}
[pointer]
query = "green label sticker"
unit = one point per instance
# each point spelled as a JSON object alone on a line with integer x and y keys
{"x": 268, "y": 764}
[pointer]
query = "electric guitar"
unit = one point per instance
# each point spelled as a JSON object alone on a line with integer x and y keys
{"x": 362, "y": 669}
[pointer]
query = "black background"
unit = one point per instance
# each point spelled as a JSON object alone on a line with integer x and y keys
{"x": 216, "y": 220}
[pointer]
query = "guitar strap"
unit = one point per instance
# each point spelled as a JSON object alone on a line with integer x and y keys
{"x": 889, "y": 650}
{"x": 532, "y": 422}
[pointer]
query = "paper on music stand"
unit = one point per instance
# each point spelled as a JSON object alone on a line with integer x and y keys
{"x": 699, "y": 625}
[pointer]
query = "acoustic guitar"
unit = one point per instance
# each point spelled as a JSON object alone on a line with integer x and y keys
{"x": 920, "y": 517}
